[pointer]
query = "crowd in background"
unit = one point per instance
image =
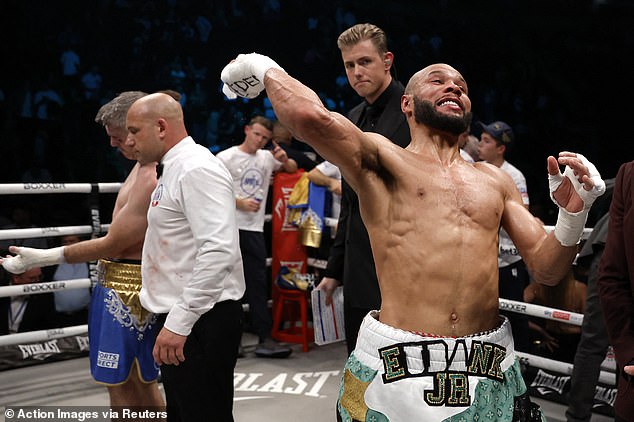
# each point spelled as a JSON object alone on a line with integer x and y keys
{"x": 536, "y": 65}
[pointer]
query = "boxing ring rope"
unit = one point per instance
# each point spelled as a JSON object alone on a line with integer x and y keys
{"x": 37, "y": 188}
{"x": 563, "y": 316}
{"x": 94, "y": 189}
{"x": 9, "y": 234}
{"x": 45, "y": 287}
{"x": 43, "y": 335}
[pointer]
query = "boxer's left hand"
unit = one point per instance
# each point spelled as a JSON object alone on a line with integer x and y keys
{"x": 573, "y": 192}
{"x": 244, "y": 76}
{"x": 578, "y": 187}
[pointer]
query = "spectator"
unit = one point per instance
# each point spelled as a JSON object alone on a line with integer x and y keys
{"x": 204, "y": 27}
{"x": 71, "y": 305}
{"x": 251, "y": 169}
{"x": 23, "y": 313}
{"x": 616, "y": 288}
{"x": 495, "y": 142}
{"x": 593, "y": 344}
{"x": 91, "y": 82}
{"x": 70, "y": 62}
{"x": 22, "y": 218}
{"x": 47, "y": 102}
{"x": 327, "y": 174}
{"x": 296, "y": 150}
{"x": 557, "y": 340}
{"x": 469, "y": 147}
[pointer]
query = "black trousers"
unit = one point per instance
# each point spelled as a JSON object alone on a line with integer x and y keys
{"x": 353, "y": 317}
{"x": 201, "y": 387}
{"x": 591, "y": 351}
{"x": 253, "y": 248}
{"x": 512, "y": 281}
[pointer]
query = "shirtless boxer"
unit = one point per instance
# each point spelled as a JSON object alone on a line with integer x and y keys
{"x": 121, "y": 332}
{"x": 438, "y": 347}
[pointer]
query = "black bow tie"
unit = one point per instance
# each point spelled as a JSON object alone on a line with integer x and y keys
{"x": 159, "y": 170}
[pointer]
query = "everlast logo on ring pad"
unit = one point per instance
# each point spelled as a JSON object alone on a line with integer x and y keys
{"x": 451, "y": 382}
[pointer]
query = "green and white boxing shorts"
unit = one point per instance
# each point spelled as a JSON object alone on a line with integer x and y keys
{"x": 398, "y": 376}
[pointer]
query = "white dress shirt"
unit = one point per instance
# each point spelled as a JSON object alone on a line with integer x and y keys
{"x": 191, "y": 254}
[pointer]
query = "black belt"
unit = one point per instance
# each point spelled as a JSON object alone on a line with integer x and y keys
{"x": 124, "y": 261}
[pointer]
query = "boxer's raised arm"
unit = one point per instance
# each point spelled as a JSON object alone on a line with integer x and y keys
{"x": 299, "y": 108}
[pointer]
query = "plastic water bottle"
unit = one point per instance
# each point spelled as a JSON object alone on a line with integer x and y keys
{"x": 259, "y": 195}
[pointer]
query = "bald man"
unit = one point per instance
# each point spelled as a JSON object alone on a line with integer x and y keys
{"x": 438, "y": 347}
{"x": 191, "y": 266}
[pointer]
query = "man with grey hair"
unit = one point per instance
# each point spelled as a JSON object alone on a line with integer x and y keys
{"x": 120, "y": 331}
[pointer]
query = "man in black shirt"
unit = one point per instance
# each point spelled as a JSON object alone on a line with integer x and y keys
{"x": 367, "y": 62}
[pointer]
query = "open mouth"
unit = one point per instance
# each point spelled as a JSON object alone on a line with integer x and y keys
{"x": 450, "y": 104}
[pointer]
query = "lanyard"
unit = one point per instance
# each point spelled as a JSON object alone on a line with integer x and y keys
{"x": 15, "y": 319}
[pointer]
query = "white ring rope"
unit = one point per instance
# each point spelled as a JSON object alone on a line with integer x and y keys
{"x": 45, "y": 287}
{"x": 44, "y": 335}
{"x": 36, "y": 188}
{"x": 605, "y": 377}
{"x": 539, "y": 311}
{"x": 8, "y": 234}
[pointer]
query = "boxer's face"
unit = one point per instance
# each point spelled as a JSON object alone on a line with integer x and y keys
{"x": 117, "y": 137}
{"x": 445, "y": 88}
{"x": 437, "y": 97}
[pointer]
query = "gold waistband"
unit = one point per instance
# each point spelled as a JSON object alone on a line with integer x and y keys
{"x": 114, "y": 275}
{"x": 125, "y": 280}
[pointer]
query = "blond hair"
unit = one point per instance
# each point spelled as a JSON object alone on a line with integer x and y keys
{"x": 361, "y": 32}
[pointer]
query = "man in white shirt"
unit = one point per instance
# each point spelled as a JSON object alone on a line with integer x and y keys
{"x": 191, "y": 267}
{"x": 495, "y": 141}
{"x": 251, "y": 169}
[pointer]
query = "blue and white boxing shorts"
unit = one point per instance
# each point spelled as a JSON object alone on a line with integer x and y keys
{"x": 398, "y": 376}
{"x": 120, "y": 331}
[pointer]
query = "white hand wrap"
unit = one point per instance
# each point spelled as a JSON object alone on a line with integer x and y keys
{"x": 244, "y": 76}
{"x": 28, "y": 258}
{"x": 569, "y": 226}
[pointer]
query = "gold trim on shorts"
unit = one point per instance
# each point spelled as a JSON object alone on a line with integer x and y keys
{"x": 125, "y": 280}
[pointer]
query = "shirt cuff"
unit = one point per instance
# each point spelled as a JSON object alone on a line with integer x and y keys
{"x": 180, "y": 321}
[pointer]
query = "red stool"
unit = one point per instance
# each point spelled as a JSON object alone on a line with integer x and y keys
{"x": 302, "y": 333}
